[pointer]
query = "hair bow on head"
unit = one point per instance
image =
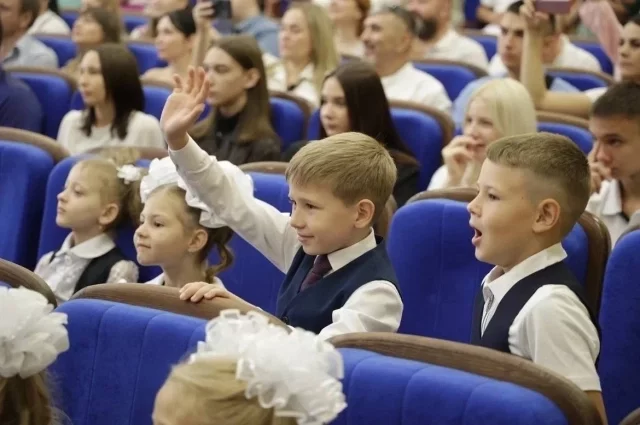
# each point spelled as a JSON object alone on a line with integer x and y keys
{"x": 31, "y": 334}
{"x": 129, "y": 173}
{"x": 297, "y": 374}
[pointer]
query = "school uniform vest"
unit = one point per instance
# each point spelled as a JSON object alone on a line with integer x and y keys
{"x": 98, "y": 269}
{"x": 312, "y": 308}
{"x": 496, "y": 334}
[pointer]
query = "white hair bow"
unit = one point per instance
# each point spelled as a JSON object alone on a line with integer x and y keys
{"x": 163, "y": 172}
{"x": 31, "y": 335}
{"x": 129, "y": 173}
{"x": 295, "y": 373}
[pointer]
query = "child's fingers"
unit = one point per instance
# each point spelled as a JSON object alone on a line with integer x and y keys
{"x": 216, "y": 293}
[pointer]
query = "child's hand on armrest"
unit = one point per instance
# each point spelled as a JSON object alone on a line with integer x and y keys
{"x": 183, "y": 107}
{"x": 197, "y": 291}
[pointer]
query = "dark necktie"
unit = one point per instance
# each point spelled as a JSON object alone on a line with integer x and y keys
{"x": 321, "y": 266}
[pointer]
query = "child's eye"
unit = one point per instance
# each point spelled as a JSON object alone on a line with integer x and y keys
{"x": 310, "y": 206}
{"x": 77, "y": 192}
{"x": 493, "y": 197}
{"x": 157, "y": 224}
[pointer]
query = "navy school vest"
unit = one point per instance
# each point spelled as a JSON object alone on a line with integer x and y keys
{"x": 496, "y": 335}
{"x": 312, "y": 308}
{"x": 98, "y": 269}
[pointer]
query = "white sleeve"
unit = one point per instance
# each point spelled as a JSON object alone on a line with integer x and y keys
{"x": 374, "y": 307}
{"x": 64, "y": 131}
{"x": 257, "y": 222}
{"x": 554, "y": 330}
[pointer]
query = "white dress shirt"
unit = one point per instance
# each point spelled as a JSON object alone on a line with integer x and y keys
{"x": 49, "y": 23}
{"x": 607, "y": 204}
{"x": 571, "y": 56}
{"x": 159, "y": 280}
{"x": 63, "y": 270}
{"x": 413, "y": 85}
{"x": 305, "y": 88}
{"x": 374, "y": 307}
{"x": 553, "y": 329}
{"x": 456, "y": 47}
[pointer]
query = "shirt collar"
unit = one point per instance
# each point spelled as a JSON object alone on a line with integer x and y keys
{"x": 344, "y": 256}
{"x": 399, "y": 74}
{"x": 307, "y": 73}
{"x": 610, "y": 198}
{"x": 447, "y": 41}
{"x": 500, "y": 283}
{"x": 93, "y": 248}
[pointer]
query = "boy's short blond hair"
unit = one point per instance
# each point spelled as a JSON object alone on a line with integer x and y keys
{"x": 353, "y": 165}
{"x": 557, "y": 169}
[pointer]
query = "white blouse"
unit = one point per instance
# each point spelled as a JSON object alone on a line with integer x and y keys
{"x": 305, "y": 88}
{"x": 143, "y": 130}
{"x": 61, "y": 269}
{"x": 49, "y": 23}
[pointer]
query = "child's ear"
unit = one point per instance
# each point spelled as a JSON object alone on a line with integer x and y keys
{"x": 198, "y": 241}
{"x": 109, "y": 214}
{"x": 548, "y": 216}
{"x": 365, "y": 210}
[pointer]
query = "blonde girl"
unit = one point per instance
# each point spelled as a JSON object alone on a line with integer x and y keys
{"x": 98, "y": 197}
{"x": 307, "y": 52}
{"x": 178, "y": 232}
{"x": 499, "y": 108}
{"x": 250, "y": 372}
{"x": 31, "y": 338}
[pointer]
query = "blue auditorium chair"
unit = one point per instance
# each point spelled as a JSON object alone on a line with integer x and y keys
{"x": 69, "y": 16}
{"x": 53, "y": 89}
{"x": 52, "y": 236}
{"x": 146, "y": 56}
{"x": 24, "y": 171}
{"x": 253, "y": 277}
{"x": 64, "y": 47}
{"x": 289, "y": 117}
{"x": 430, "y": 247}
{"x": 576, "y": 129}
{"x": 582, "y": 79}
{"x": 620, "y": 323}
{"x": 425, "y": 130}
{"x": 154, "y": 99}
{"x": 132, "y": 21}
{"x": 488, "y": 42}
{"x": 454, "y": 75}
{"x": 593, "y": 46}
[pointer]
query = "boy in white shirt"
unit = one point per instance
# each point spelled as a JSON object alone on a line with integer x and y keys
{"x": 339, "y": 277}
{"x": 615, "y": 159}
{"x": 532, "y": 190}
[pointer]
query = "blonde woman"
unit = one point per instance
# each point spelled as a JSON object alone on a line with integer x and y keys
{"x": 499, "y": 108}
{"x": 307, "y": 52}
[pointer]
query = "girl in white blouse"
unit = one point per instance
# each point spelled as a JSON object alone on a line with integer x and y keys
{"x": 178, "y": 232}
{"x": 113, "y": 98}
{"x": 98, "y": 197}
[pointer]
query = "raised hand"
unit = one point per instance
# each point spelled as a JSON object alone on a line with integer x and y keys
{"x": 183, "y": 107}
{"x": 456, "y": 156}
{"x": 534, "y": 20}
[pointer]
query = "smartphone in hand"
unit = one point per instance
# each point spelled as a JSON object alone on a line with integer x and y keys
{"x": 222, "y": 9}
{"x": 553, "y": 7}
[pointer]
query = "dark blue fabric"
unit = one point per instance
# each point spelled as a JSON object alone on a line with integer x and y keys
{"x": 453, "y": 77}
{"x": 253, "y": 277}
{"x": 133, "y": 21}
{"x": 52, "y": 236}
{"x": 53, "y": 93}
{"x": 154, "y": 100}
{"x": 146, "y": 56}
{"x": 24, "y": 170}
{"x": 580, "y": 136}
{"x": 120, "y": 356}
{"x": 19, "y": 106}
{"x": 65, "y": 48}
{"x": 620, "y": 323}
{"x": 594, "y": 47}
{"x": 488, "y": 42}
{"x": 312, "y": 308}
{"x": 580, "y": 81}
{"x": 287, "y": 120}
{"x": 429, "y": 244}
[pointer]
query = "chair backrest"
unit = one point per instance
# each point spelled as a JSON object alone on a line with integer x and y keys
{"x": 69, "y": 16}
{"x": 489, "y": 42}
{"x": 133, "y": 20}
{"x": 165, "y": 299}
{"x": 429, "y": 246}
{"x": 52, "y": 236}
{"x": 384, "y": 390}
{"x": 47, "y": 144}
{"x": 154, "y": 99}
{"x": 289, "y": 116}
{"x": 593, "y": 46}
{"x": 582, "y": 79}
{"x": 454, "y": 75}
{"x": 53, "y": 90}
{"x": 24, "y": 171}
{"x": 17, "y": 276}
{"x": 119, "y": 357}
{"x": 64, "y": 47}
{"x": 576, "y": 129}
{"x": 620, "y": 323}
{"x": 146, "y": 55}
{"x": 265, "y": 167}
{"x": 505, "y": 368}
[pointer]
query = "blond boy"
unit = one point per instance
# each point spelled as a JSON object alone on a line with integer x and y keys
{"x": 532, "y": 190}
{"x": 339, "y": 277}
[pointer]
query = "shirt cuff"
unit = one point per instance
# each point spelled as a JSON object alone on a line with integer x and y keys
{"x": 191, "y": 157}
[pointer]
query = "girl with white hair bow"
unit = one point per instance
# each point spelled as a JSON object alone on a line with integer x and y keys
{"x": 31, "y": 338}
{"x": 178, "y": 232}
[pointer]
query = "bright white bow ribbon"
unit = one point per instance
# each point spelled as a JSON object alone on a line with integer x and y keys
{"x": 163, "y": 171}
{"x": 31, "y": 334}
{"x": 295, "y": 373}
